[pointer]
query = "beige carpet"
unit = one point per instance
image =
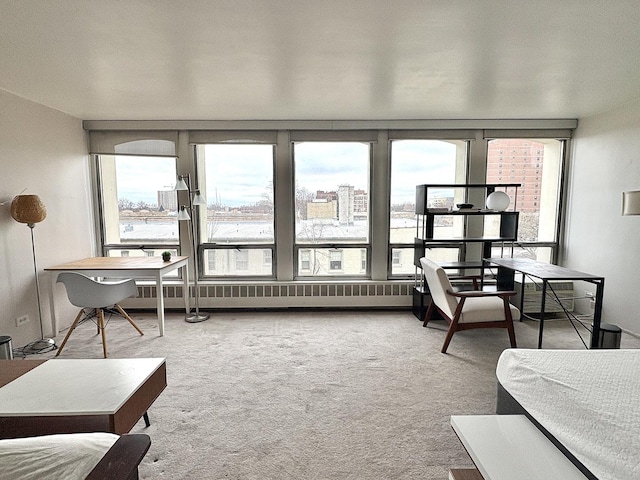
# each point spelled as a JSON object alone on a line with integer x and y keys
{"x": 319, "y": 395}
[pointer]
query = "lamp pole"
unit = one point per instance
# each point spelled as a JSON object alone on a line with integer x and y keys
{"x": 29, "y": 209}
{"x": 184, "y": 183}
{"x": 44, "y": 344}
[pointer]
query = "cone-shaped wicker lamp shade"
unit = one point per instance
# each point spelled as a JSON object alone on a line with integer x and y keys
{"x": 28, "y": 209}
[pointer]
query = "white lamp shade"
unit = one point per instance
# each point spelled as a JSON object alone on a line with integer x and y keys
{"x": 181, "y": 184}
{"x": 183, "y": 214}
{"x": 199, "y": 199}
{"x": 631, "y": 203}
{"x": 498, "y": 201}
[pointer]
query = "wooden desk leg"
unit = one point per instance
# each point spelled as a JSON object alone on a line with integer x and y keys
{"x": 160, "y": 303}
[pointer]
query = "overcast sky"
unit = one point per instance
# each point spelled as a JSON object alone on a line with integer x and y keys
{"x": 415, "y": 162}
{"x": 241, "y": 174}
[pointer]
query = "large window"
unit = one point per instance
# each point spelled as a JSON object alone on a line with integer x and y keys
{"x": 415, "y": 162}
{"x": 327, "y": 204}
{"x": 138, "y": 205}
{"x": 238, "y": 234}
{"x": 536, "y": 164}
{"x": 332, "y": 207}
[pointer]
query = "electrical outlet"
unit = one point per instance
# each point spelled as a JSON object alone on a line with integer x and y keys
{"x": 22, "y": 320}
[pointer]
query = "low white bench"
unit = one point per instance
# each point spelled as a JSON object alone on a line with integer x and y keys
{"x": 510, "y": 447}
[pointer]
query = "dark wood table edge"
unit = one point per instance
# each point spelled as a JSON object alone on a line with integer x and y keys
{"x": 122, "y": 459}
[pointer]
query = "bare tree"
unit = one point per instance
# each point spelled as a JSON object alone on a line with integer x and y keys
{"x": 125, "y": 204}
{"x": 303, "y": 196}
{"x": 267, "y": 196}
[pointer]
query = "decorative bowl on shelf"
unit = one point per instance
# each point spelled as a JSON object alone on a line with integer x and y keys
{"x": 464, "y": 205}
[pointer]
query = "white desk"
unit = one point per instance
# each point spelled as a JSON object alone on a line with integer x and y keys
{"x": 510, "y": 447}
{"x": 124, "y": 267}
{"x": 78, "y": 395}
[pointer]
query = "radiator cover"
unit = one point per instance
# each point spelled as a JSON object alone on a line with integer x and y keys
{"x": 533, "y": 296}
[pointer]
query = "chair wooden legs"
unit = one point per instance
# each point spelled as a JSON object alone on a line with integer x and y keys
{"x": 130, "y": 320}
{"x": 430, "y": 310}
{"x": 101, "y": 328}
{"x": 455, "y": 326}
{"x": 71, "y": 328}
{"x": 447, "y": 340}
{"x": 100, "y": 324}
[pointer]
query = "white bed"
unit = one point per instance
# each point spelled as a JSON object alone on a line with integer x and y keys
{"x": 74, "y": 456}
{"x": 587, "y": 400}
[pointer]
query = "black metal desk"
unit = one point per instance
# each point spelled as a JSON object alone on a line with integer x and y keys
{"x": 546, "y": 272}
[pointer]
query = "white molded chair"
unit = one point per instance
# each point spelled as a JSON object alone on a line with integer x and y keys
{"x": 467, "y": 309}
{"x": 93, "y": 298}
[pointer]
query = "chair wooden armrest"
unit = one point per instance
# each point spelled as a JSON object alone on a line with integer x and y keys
{"x": 475, "y": 279}
{"x": 465, "y": 277}
{"x": 483, "y": 293}
{"x": 122, "y": 459}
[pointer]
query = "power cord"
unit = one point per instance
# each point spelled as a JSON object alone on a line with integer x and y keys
{"x": 34, "y": 348}
{"x": 41, "y": 346}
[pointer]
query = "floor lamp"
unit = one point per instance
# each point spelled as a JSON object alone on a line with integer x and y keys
{"x": 29, "y": 209}
{"x": 195, "y": 199}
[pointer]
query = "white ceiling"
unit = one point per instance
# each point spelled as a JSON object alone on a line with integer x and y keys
{"x": 321, "y": 59}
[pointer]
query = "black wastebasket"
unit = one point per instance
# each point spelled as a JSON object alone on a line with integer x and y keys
{"x": 6, "y": 349}
{"x": 609, "y": 336}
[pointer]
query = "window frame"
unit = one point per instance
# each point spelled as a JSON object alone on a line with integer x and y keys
{"x": 107, "y": 248}
{"x": 563, "y": 146}
{"x": 205, "y": 246}
{"x": 306, "y": 275}
{"x": 281, "y": 135}
{"x": 464, "y": 158}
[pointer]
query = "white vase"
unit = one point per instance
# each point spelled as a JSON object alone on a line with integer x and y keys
{"x": 498, "y": 201}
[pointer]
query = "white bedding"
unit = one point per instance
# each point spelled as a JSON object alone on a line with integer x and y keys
{"x": 587, "y": 399}
{"x": 64, "y": 457}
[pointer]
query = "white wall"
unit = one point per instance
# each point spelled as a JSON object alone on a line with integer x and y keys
{"x": 45, "y": 152}
{"x": 605, "y": 162}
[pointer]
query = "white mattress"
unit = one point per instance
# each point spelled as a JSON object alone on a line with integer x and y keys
{"x": 587, "y": 399}
{"x": 49, "y": 457}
